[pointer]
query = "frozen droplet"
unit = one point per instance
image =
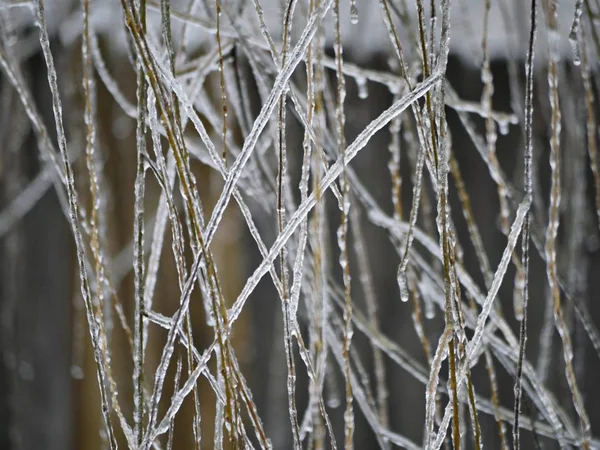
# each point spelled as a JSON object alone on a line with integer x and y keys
{"x": 427, "y": 294}
{"x": 429, "y": 308}
{"x": 334, "y": 402}
{"x": 361, "y": 84}
{"x": 403, "y": 285}
{"x": 77, "y": 372}
{"x": 353, "y": 13}
{"x": 503, "y": 127}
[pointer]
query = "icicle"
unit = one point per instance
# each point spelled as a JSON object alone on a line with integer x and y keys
{"x": 363, "y": 90}
{"x": 573, "y": 33}
{"x": 427, "y": 294}
{"x": 429, "y": 308}
{"x": 353, "y": 12}
{"x": 403, "y": 285}
{"x": 503, "y": 127}
{"x": 575, "y": 48}
{"x": 333, "y": 400}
